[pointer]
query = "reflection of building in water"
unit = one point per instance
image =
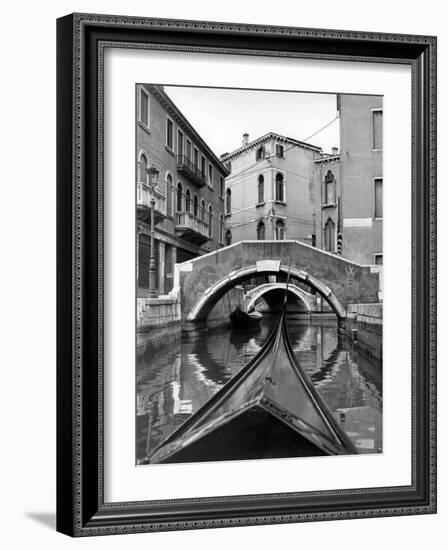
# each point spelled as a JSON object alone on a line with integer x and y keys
{"x": 364, "y": 426}
{"x": 176, "y": 381}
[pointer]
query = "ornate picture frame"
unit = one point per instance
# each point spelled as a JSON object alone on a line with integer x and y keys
{"x": 81, "y": 506}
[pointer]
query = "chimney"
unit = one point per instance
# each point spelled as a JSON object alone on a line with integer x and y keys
{"x": 245, "y": 139}
{"x": 334, "y": 151}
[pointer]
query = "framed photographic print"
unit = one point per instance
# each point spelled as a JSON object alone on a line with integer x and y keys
{"x": 246, "y": 314}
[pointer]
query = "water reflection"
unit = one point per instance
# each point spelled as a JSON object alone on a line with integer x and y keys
{"x": 177, "y": 378}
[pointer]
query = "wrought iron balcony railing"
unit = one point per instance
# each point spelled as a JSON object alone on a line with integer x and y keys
{"x": 191, "y": 171}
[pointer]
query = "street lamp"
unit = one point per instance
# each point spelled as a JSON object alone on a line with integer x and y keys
{"x": 153, "y": 180}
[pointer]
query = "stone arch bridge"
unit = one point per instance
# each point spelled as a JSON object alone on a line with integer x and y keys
{"x": 202, "y": 281}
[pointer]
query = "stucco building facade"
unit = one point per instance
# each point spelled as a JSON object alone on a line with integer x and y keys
{"x": 269, "y": 191}
{"x": 361, "y": 174}
{"x": 176, "y": 168}
{"x": 328, "y": 203}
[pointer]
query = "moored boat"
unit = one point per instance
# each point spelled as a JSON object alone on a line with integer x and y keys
{"x": 241, "y": 319}
{"x": 269, "y": 409}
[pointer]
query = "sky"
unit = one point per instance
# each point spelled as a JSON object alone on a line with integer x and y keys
{"x": 222, "y": 115}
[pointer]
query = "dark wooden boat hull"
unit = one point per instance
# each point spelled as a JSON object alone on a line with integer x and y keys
{"x": 253, "y": 434}
{"x": 269, "y": 409}
{"x": 241, "y": 319}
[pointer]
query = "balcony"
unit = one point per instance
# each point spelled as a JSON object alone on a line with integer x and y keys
{"x": 186, "y": 167}
{"x": 191, "y": 228}
{"x": 144, "y": 195}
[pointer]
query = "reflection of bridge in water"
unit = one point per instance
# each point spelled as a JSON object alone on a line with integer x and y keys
{"x": 175, "y": 380}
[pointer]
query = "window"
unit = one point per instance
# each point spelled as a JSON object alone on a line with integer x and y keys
{"x": 329, "y": 235}
{"x": 279, "y": 188}
{"x": 142, "y": 169}
{"x": 228, "y": 201}
{"x": 378, "y": 259}
{"x": 144, "y": 107}
{"x": 169, "y": 195}
{"x": 202, "y": 212}
{"x": 195, "y": 206}
{"x": 260, "y": 231}
{"x": 280, "y": 150}
{"x": 221, "y": 187}
{"x": 259, "y": 155}
{"x": 179, "y": 197}
{"x": 377, "y": 129}
{"x": 188, "y": 149}
{"x": 280, "y": 230}
{"x": 330, "y": 188}
{"x": 196, "y": 157}
{"x": 210, "y": 218}
{"x": 169, "y": 133}
{"x": 180, "y": 143}
{"x": 228, "y": 238}
{"x": 187, "y": 200}
{"x": 260, "y": 189}
{"x": 221, "y": 228}
{"x": 378, "y": 197}
{"x": 210, "y": 175}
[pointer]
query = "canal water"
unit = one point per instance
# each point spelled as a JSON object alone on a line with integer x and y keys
{"x": 176, "y": 378}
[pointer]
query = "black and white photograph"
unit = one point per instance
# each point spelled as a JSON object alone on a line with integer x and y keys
{"x": 259, "y": 274}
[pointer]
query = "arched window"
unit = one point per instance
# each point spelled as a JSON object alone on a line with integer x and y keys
{"x": 228, "y": 201}
{"x": 260, "y": 189}
{"x": 187, "y": 200}
{"x": 279, "y": 230}
{"x": 210, "y": 218}
{"x": 196, "y": 206}
{"x": 221, "y": 228}
{"x": 330, "y": 188}
{"x": 228, "y": 239}
{"x": 179, "y": 197}
{"x": 279, "y": 188}
{"x": 329, "y": 235}
{"x": 260, "y": 153}
{"x": 143, "y": 169}
{"x": 260, "y": 231}
{"x": 169, "y": 195}
{"x": 202, "y": 212}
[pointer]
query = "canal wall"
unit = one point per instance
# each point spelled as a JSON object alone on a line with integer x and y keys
{"x": 156, "y": 313}
{"x": 364, "y": 327}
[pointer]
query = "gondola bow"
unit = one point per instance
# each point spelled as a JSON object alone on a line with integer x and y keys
{"x": 269, "y": 409}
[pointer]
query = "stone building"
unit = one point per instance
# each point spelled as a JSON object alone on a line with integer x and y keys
{"x": 177, "y": 169}
{"x": 269, "y": 191}
{"x": 328, "y": 192}
{"x": 361, "y": 174}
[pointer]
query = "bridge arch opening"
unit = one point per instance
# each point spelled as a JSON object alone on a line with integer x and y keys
{"x": 272, "y": 295}
{"x": 216, "y": 291}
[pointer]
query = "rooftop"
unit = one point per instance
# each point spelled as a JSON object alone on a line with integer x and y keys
{"x": 267, "y": 137}
{"x": 179, "y": 117}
